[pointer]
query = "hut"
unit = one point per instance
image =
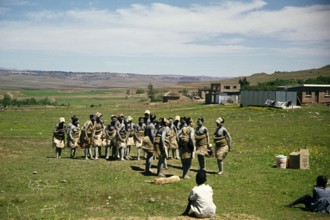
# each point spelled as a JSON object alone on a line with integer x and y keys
{"x": 171, "y": 96}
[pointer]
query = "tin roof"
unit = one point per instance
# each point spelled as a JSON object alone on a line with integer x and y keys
{"x": 306, "y": 86}
{"x": 172, "y": 94}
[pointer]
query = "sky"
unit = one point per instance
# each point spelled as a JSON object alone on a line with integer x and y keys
{"x": 183, "y": 37}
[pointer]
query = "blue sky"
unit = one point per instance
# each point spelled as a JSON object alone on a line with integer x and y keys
{"x": 195, "y": 37}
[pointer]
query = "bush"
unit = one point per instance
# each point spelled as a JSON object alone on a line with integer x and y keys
{"x": 272, "y": 85}
{"x": 152, "y": 93}
{"x": 139, "y": 91}
{"x": 8, "y": 101}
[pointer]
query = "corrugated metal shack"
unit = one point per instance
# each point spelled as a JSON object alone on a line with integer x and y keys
{"x": 225, "y": 98}
{"x": 259, "y": 98}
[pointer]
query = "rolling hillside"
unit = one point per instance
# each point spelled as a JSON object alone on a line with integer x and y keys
{"x": 17, "y": 79}
{"x": 264, "y": 77}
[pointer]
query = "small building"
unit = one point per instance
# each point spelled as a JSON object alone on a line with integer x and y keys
{"x": 202, "y": 92}
{"x": 310, "y": 93}
{"x": 171, "y": 96}
{"x": 221, "y": 93}
{"x": 227, "y": 98}
{"x": 263, "y": 98}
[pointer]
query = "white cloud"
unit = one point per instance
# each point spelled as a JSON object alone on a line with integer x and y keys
{"x": 292, "y": 23}
{"x": 164, "y": 30}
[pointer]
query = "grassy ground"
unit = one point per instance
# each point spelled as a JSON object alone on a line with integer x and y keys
{"x": 35, "y": 185}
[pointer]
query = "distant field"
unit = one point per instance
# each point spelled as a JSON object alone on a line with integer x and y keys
{"x": 251, "y": 187}
{"x": 87, "y": 92}
{"x": 68, "y": 81}
{"x": 82, "y": 98}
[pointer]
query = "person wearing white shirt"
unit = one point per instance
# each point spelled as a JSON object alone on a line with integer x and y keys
{"x": 200, "y": 200}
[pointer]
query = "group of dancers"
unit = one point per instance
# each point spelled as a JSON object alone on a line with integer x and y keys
{"x": 160, "y": 139}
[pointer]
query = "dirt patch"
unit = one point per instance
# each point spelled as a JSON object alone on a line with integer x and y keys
{"x": 10, "y": 154}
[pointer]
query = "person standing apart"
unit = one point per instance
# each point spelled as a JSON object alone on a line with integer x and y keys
{"x": 222, "y": 140}
{"x": 73, "y": 135}
{"x": 202, "y": 141}
{"x": 59, "y": 137}
{"x": 186, "y": 138}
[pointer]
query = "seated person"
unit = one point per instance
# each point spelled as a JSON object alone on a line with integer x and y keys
{"x": 200, "y": 200}
{"x": 320, "y": 201}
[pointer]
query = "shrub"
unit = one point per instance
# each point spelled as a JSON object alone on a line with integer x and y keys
{"x": 139, "y": 91}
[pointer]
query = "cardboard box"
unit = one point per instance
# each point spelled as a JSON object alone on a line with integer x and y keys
{"x": 299, "y": 160}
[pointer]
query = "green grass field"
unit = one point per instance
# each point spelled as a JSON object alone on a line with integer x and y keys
{"x": 251, "y": 187}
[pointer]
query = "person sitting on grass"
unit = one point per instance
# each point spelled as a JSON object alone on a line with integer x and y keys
{"x": 200, "y": 200}
{"x": 320, "y": 201}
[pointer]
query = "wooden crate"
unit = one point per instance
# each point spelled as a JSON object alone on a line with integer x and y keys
{"x": 299, "y": 160}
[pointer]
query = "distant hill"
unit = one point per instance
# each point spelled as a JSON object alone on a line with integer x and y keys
{"x": 30, "y": 79}
{"x": 301, "y": 74}
{"x": 264, "y": 77}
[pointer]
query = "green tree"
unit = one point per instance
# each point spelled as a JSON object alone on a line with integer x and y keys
{"x": 33, "y": 101}
{"x": 152, "y": 93}
{"x": 318, "y": 80}
{"x": 244, "y": 83}
{"x": 184, "y": 92}
{"x": 139, "y": 91}
{"x": 6, "y": 101}
{"x": 45, "y": 101}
